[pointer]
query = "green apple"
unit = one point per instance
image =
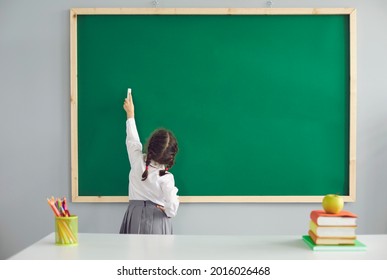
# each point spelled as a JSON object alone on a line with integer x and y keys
{"x": 332, "y": 203}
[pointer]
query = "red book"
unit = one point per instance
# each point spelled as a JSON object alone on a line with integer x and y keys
{"x": 343, "y": 218}
{"x": 331, "y": 240}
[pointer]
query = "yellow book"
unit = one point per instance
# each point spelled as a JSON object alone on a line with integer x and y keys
{"x": 333, "y": 231}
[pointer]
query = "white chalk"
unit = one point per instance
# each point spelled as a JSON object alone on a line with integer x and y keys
{"x": 129, "y": 92}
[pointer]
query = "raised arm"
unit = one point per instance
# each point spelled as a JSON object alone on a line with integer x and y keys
{"x": 133, "y": 143}
{"x": 129, "y": 106}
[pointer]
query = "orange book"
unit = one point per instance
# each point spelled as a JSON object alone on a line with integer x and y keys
{"x": 343, "y": 218}
{"x": 331, "y": 240}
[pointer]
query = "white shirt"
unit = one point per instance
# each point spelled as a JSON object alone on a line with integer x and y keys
{"x": 160, "y": 190}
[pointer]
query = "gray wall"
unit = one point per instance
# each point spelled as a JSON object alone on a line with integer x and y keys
{"x": 35, "y": 129}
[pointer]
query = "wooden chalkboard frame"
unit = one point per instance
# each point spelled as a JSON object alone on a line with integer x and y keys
{"x": 214, "y": 11}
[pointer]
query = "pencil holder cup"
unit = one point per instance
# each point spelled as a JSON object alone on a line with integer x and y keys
{"x": 66, "y": 231}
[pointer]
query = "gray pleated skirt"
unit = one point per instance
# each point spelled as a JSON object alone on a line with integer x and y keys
{"x": 143, "y": 217}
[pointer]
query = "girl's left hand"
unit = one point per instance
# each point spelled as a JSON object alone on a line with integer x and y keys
{"x": 129, "y": 107}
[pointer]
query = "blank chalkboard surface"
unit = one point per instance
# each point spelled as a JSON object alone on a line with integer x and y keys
{"x": 262, "y": 102}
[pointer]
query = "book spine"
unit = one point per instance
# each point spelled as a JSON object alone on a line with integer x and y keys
{"x": 314, "y": 217}
{"x": 313, "y": 236}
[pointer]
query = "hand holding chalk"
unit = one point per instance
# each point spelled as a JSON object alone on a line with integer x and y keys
{"x": 128, "y": 104}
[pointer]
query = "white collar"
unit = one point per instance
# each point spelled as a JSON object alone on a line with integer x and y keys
{"x": 155, "y": 164}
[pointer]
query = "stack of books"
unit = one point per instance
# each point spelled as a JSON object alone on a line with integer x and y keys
{"x": 332, "y": 231}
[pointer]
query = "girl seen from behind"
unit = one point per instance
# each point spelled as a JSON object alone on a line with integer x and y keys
{"x": 153, "y": 196}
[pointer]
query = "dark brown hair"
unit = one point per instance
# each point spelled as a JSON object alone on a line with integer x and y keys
{"x": 162, "y": 148}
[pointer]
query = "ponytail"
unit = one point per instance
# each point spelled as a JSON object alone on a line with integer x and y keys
{"x": 171, "y": 161}
{"x": 163, "y": 172}
{"x": 147, "y": 162}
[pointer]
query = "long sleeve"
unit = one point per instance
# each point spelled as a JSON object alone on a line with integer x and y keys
{"x": 133, "y": 143}
{"x": 170, "y": 197}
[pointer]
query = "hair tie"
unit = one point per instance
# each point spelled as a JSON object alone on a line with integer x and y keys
{"x": 166, "y": 168}
{"x": 146, "y": 167}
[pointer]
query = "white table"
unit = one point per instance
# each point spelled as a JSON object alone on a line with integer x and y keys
{"x": 188, "y": 247}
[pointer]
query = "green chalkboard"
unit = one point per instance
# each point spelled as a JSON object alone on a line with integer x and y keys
{"x": 260, "y": 104}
